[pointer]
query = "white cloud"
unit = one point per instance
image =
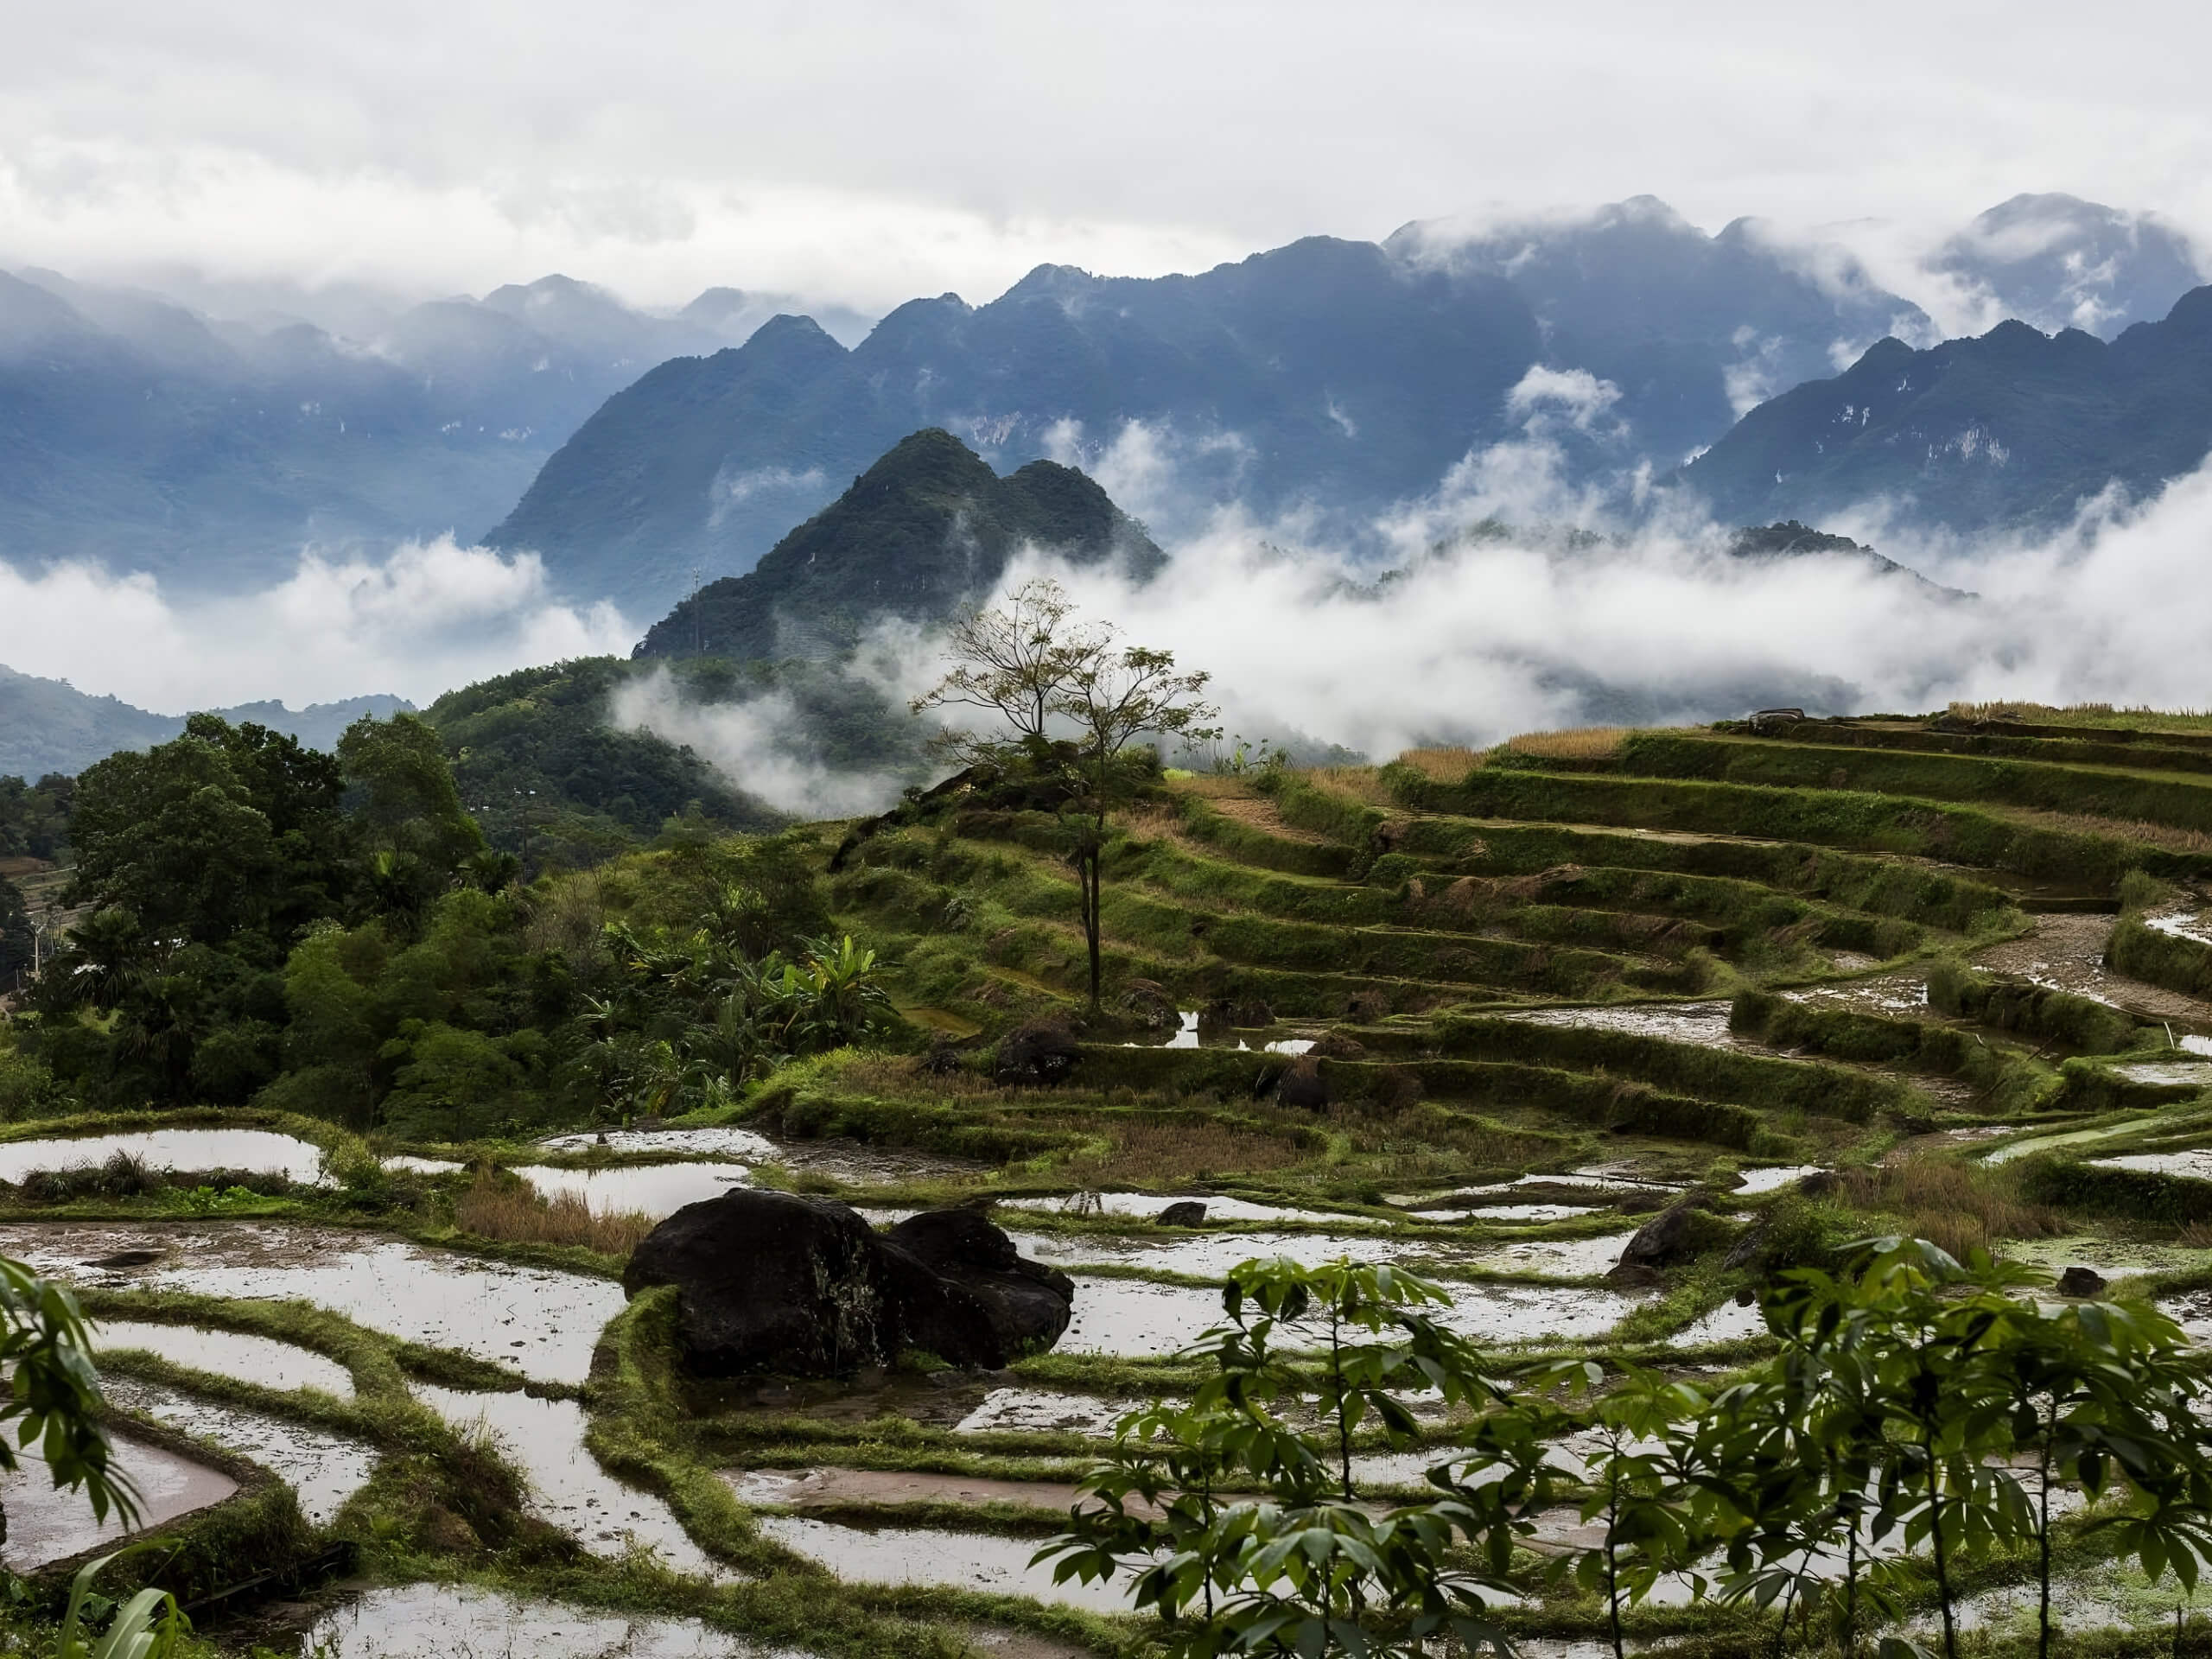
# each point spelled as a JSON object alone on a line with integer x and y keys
{"x": 752, "y": 744}
{"x": 480, "y": 141}
{"x": 1578, "y": 395}
{"x": 421, "y": 620}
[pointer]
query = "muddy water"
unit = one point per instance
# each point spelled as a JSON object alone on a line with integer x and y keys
{"x": 1146, "y": 1206}
{"x": 2067, "y": 953}
{"x": 1132, "y": 1317}
{"x": 1727, "y": 1322}
{"x": 963, "y": 1560}
{"x": 1044, "y": 1411}
{"x": 322, "y": 1468}
{"x": 849, "y": 1161}
{"x": 1891, "y": 994}
{"x": 545, "y": 1438}
{"x": 2035, "y": 1143}
{"x": 1750, "y": 1182}
{"x": 655, "y": 1190}
{"x": 1705, "y": 1024}
{"x": 45, "y": 1525}
{"x": 439, "y": 1621}
{"x": 542, "y": 1323}
{"x": 262, "y": 1360}
{"x": 800, "y": 1489}
{"x": 2113, "y": 1257}
{"x": 1562, "y": 1258}
{"x": 1211, "y": 1256}
{"x": 176, "y": 1149}
{"x": 2191, "y": 1073}
{"x": 2196, "y": 1164}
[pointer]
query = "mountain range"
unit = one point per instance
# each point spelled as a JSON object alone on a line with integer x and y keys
{"x": 2014, "y": 428}
{"x": 1336, "y": 380}
{"x": 145, "y": 435}
{"x": 929, "y": 526}
{"x": 49, "y": 726}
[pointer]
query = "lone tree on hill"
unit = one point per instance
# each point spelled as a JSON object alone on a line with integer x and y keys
{"x": 1027, "y": 663}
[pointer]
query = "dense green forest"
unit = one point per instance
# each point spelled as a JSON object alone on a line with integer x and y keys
{"x": 333, "y": 935}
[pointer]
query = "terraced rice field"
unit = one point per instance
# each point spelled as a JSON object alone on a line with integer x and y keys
{"x": 1860, "y": 976}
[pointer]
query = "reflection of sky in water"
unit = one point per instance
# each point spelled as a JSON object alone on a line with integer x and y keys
{"x": 546, "y": 1437}
{"x": 441, "y": 1621}
{"x": 655, "y": 1190}
{"x": 257, "y": 1150}
{"x": 263, "y": 1360}
{"x": 322, "y": 1468}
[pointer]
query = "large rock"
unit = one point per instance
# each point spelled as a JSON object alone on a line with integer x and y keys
{"x": 1042, "y": 1052}
{"x": 769, "y": 1281}
{"x": 773, "y": 1282}
{"x": 1027, "y": 1306}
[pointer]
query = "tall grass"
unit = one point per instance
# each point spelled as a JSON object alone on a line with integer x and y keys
{"x": 1960, "y": 1206}
{"x": 503, "y": 1208}
{"x": 2088, "y": 714}
{"x": 1445, "y": 764}
{"x": 1578, "y": 743}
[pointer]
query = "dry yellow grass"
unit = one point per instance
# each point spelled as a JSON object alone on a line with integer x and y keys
{"x": 1361, "y": 783}
{"x": 1959, "y": 1205}
{"x": 1446, "y": 765}
{"x": 507, "y": 1210}
{"x": 1579, "y": 743}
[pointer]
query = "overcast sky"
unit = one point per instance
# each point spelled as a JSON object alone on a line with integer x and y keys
{"x": 867, "y": 152}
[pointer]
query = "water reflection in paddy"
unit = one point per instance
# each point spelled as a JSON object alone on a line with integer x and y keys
{"x": 542, "y": 1323}
{"x": 45, "y": 1525}
{"x": 323, "y": 1469}
{"x": 443, "y": 1621}
{"x": 262, "y": 1360}
{"x": 1135, "y": 1317}
{"x": 546, "y": 1439}
{"x": 655, "y": 1190}
{"x": 963, "y": 1560}
{"x": 1044, "y": 1411}
{"x": 257, "y": 1150}
{"x": 1145, "y": 1206}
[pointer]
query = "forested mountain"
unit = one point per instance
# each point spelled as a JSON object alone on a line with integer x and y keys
{"x": 2015, "y": 427}
{"x": 49, "y": 726}
{"x": 1330, "y": 375}
{"x": 1693, "y": 329}
{"x": 143, "y": 435}
{"x": 928, "y": 525}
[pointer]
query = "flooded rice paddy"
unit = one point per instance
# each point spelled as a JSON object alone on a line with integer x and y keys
{"x": 1047, "y": 1411}
{"x": 322, "y": 1468}
{"x": 2067, "y": 952}
{"x": 934, "y": 1556}
{"x": 543, "y": 1324}
{"x": 441, "y": 1621}
{"x": 45, "y": 1526}
{"x": 262, "y": 1360}
{"x": 1146, "y": 1206}
{"x": 1703, "y": 1023}
{"x": 259, "y": 1150}
{"x": 2194, "y": 1163}
{"x": 654, "y": 1190}
{"x": 851, "y": 1162}
{"x": 545, "y": 1440}
{"x": 1134, "y": 1318}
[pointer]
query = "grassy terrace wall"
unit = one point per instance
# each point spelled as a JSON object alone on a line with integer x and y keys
{"x": 1869, "y": 823}
{"x": 1755, "y": 1081}
{"x": 2006, "y": 1081}
{"x": 2141, "y": 951}
{"x": 2053, "y": 746}
{"x": 1624, "y": 1104}
{"x": 2182, "y": 803}
{"x": 1876, "y": 887}
{"x": 2076, "y": 1022}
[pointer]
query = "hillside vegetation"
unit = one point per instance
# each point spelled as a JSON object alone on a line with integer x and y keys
{"x": 1605, "y": 1033}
